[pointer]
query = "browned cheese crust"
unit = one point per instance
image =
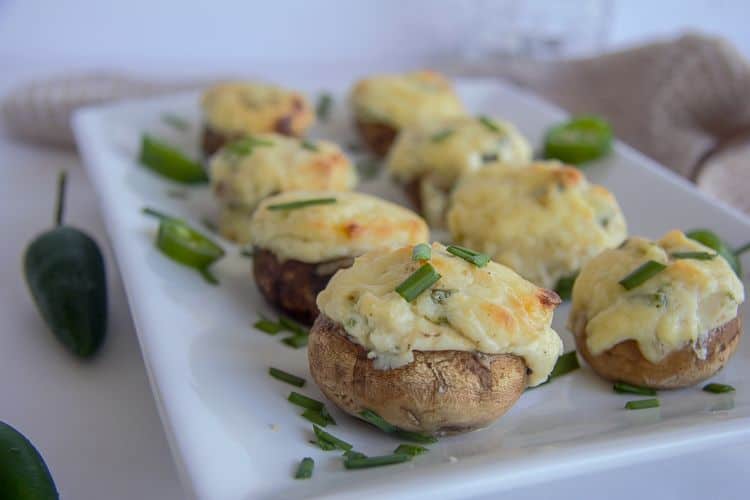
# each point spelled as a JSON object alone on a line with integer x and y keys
{"x": 212, "y": 140}
{"x": 440, "y": 392}
{"x": 377, "y": 136}
{"x": 625, "y": 363}
{"x": 292, "y": 286}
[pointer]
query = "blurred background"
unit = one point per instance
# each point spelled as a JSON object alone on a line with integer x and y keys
{"x": 97, "y": 424}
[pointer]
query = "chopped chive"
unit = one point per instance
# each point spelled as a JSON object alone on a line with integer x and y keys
{"x": 305, "y": 402}
{"x": 693, "y": 255}
{"x": 624, "y": 388}
{"x": 329, "y": 438}
{"x": 378, "y": 421}
{"x": 309, "y": 146}
{"x": 292, "y": 326}
{"x": 354, "y": 454}
{"x": 175, "y": 121}
{"x": 267, "y": 326}
{"x": 564, "y": 286}
{"x": 328, "y": 416}
{"x": 442, "y": 135}
{"x": 286, "y": 377}
{"x": 177, "y": 193}
{"x": 247, "y": 252}
{"x": 489, "y": 123}
{"x": 367, "y": 462}
{"x": 208, "y": 276}
{"x": 210, "y": 225}
{"x": 323, "y": 108}
{"x": 323, "y": 445}
{"x": 245, "y": 146}
{"x": 305, "y": 468}
{"x": 422, "y": 279}
{"x": 489, "y": 157}
{"x": 741, "y": 249}
{"x": 642, "y": 404}
{"x": 423, "y": 251}
{"x": 295, "y": 341}
{"x": 293, "y": 205}
{"x": 565, "y": 364}
{"x": 368, "y": 168}
{"x": 415, "y": 437}
{"x": 155, "y": 213}
{"x": 718, "y": 388}
{"x": 477, "y": 258}
{"x": 315, "y": 417}
{"x": 410, "y": 449}
{"x": 642, "y": 274}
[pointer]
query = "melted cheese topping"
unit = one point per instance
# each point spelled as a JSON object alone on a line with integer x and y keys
{"x": 544, "y": 221}
{"x": 439, "y": 153}
{"x": 488, "y": 310}
{"x": 672, "y": 309}
{"x": 240, "y": 182}
{"x": 245, "y": 108}
{"x": 355, "y": 224}
{"x": 404, "y": 100}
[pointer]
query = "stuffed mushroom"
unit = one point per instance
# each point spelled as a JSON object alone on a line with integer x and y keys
{"x": 246, "y": 171}
{"x": 233, "y": 110}
{"x": 385, "y": 104}
{"x": 450, "y": 356}
{"x": 301, "y": 239}
{"x": 429, "y": 160}
{"x": 660, "y": 314}
{"x": 544, "y": 220}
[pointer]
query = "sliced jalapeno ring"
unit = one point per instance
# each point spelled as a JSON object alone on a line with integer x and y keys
{"x": 184, "y": 244}
{"x": 582, "y": 139}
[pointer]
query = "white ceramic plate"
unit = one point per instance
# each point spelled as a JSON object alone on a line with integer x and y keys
{"x": 232, "y": 431}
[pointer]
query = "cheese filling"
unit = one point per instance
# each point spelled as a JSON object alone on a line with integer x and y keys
{"x": 489, "y": 310}
{"x": 673, "y": 309}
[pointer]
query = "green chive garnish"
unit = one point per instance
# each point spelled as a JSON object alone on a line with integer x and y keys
{"x": 305, "y": 402}
{"x": 295, "y": 341}
{"x": 718, "y": 388}
{"x": 322, "y": 435}
{"x": 309, "y": 146}
{"x": 564, "y": 286}
{"x": 624, "y": 388}
{"x": 247, "y": 252}
{"x": 293, "y": 205}
{"x": 441, "y": 136}
{"x": 422, "y": 279}
{"x": 354, "y": 454}
{"x": 267, "y": 326}
{"x": 415, "y": 437}
{"x": 378, "y": 421}
{"x": 489, "y": 123}
{"x": 292, "y": 326}
{"x": 323, "y": 108}
{"x": 316, "y": 417}
{"x": 286, "y": 377}
{"x": 423, "y": 251}
{"x": 367, "y": 462}
{"x": 693, "y": 255}
{"x": 323, "y": 445}
{"x": 305, "y": 468}
{"x": 410, "y": 449}
{"x": 368, "y": 168}
{"x": 245, "y": 146}
{"x": 642, "y": 404}
{"x": 477, "y": 258}
{"x": 175, "y": 121}
{"x": 565, "y": 364}
{"x": 642, "y": 274}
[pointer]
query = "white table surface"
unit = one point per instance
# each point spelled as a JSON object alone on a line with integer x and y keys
{"x": 96, "y": 423}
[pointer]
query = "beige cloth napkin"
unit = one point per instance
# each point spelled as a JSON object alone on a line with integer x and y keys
{"x": 677, "y": 101}
{"x": 685, "y": 103}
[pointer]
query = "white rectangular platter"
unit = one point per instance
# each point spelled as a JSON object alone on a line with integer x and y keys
{"x": 232, "y": 431}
